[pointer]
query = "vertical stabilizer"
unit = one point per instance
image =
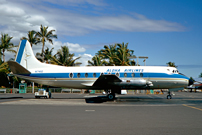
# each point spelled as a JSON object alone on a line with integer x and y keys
{"x": 25, "y": 56}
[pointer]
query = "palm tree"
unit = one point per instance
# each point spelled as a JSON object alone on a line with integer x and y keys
{"x": 171, "y": 64}
{"x": 109, "y": 52}
{"x": 32, "y": 38}
{"x": 6, "y": 44}
{"x": 64, "y": 57}
{"x": 123, "y": 54}
{"x": 117, "y": 54}
{"x": 97, "y": 61}
{"x": 200, "y": 75}
{"x": 48, "y": 55}
{"x": 44, "y": 35}
{"x": 4, "y": 68}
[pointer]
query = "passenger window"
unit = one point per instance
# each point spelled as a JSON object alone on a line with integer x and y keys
{"x": 117, "y": 74}
{"x": 78, "y": 75}
{"x": 102, "y": 74}
{"x": 109, "y": 73}
{"x": 86, "y": 75}
{"x": 141, "y": 74}
{"x": 94, "y": 74}
{"x": 125, "y": 74}
{"x": 71, "y": 75}
{"x": 133, "y": 74}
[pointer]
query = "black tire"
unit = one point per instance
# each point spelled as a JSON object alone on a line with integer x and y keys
{"x": 169, "y": 97}
{"x": 111, "y": 96}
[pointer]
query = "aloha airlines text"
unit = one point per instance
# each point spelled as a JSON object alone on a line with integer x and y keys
{"x": 126, "y": 70}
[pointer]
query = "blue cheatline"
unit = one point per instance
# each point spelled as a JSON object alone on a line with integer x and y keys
{"x": 90, "y": 75}
{"x": 21, "y": 50}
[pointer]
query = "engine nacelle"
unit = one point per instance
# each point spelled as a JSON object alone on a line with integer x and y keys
{"x": 135, "y": 83}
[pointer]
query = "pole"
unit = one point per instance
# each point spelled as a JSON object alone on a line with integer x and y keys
{"x": 144, "y": 61}
{"x": 32, "y": 87}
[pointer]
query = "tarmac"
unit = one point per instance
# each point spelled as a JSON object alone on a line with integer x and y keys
{"x": 74, "y": 114}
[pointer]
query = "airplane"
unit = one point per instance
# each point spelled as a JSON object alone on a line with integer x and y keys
{"x": 112, "y": 79}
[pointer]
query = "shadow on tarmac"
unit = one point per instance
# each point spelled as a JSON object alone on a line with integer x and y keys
{"x": 98, "y": 99}
{"x": 179, "y": 98}
{"x": 10, "y": 97}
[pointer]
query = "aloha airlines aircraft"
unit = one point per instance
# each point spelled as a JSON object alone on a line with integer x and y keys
{"x": 110, "y": 78}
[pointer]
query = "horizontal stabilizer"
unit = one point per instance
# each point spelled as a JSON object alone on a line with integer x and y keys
{"x": 16, "y": 68}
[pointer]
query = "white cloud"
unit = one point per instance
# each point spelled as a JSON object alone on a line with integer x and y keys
{"x": 84, "y": 59}
{"x": 7, "y": 10}
{"x": 16, "y": 22}
{"x": 35, "y": 19}
{"x": 72, "y": 47}
{"x": 24, "y": 16}
{"x": 77, "y": 2}
{"x": 19, "y": 17}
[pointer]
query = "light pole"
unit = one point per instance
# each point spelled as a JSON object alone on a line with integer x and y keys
{"x": 141, "y": 57}
{"x": 144, "y": 57}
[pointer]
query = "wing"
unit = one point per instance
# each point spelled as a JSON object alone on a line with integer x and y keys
{"x": 106, "y": 80}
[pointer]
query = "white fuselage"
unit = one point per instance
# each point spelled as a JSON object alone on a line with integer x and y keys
{"x": 84, "y": 77}
{"x": 26, "y": 66}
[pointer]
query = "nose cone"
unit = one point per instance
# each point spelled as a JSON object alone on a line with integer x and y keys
{"x": 191, "y": 82}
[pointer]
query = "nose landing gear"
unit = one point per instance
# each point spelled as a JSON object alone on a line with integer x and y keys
{"x": 169, "y": 96}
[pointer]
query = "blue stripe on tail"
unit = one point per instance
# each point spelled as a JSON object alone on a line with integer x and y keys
{"x": 20, "y": 51}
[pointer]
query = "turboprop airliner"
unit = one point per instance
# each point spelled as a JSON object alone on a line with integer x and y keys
{"x": 109, "y": 78}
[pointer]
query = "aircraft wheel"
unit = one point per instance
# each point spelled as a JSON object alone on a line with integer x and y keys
{"x": 169, "y": 97}
{"x": 111, "y": 96}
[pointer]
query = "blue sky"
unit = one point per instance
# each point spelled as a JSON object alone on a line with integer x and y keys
{"x": 163, "y": 30}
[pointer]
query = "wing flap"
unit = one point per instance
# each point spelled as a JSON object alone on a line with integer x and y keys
{"x": 88, "y": 84}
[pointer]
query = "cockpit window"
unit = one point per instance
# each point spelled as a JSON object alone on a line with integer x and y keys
{"x": 175, "y": 71}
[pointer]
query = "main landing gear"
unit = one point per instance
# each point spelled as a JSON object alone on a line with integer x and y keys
{"x": 110, "y": 95}
{"x": 169, "y": 96}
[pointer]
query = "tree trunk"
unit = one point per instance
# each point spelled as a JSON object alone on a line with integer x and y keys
{"x": 42, "y": 51}
{"x": 3, "y": 55}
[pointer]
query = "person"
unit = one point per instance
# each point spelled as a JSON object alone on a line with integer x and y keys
{"x": 49, "y": 93}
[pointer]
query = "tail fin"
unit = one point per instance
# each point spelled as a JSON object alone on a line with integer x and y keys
{"x": 25, "y": 56}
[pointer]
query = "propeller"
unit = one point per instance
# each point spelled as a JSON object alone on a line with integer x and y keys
{"x": 190, "y": 80}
